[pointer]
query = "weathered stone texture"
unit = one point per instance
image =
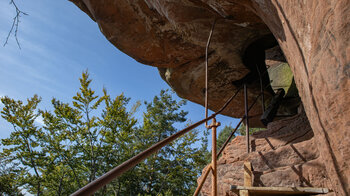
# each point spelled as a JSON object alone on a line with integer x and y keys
{"x": 172, "y": 36}
{"x": 285, "y": 154}
{"x": 314, "y": 36}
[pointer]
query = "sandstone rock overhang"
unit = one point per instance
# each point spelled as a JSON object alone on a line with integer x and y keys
{"x": 172, "y": 36}
{"x": 313, "y": 35}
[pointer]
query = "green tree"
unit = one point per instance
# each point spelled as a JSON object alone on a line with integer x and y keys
{"x": 86, "y": 145}
{"x": 23, "y": 145}
{"x": 9, "y": 177}
{"x": 85, "y": 139}
{"x": 118, "y": 145}
{"x": 74, "y": 146}
{"x": 72, "y": 139}
{"x": 223, "y": 135}
{"x": 174, "y": 170}
{"x": 242, "y": 130}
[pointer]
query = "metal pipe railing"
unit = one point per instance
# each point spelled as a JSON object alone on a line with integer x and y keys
{"x": 237, "y": 126}
{"x": 95, "y": 185}
{"x": 246, "y": 119}
{"x": 261, "y": 89}
{"x": 201, "y": 183}
{"x": 214, "y": 188}
{"x": 206, "y": 70}
{"x": 210, "y": 168}
{"x": 229, "y": 138}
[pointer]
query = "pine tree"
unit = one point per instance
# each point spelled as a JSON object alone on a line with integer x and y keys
{"x": 82, "y": 140}
{"x": 174, "y": 170}
{"x": 24, "y": 141}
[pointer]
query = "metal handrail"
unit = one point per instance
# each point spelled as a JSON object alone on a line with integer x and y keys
{"x": 237, "y": 126}
{"x": 95, "y": 185}
{"x": 206, "y": 70}
{"x": 205, "y": 175}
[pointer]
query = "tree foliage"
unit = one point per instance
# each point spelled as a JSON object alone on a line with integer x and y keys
{"x": 242, "y": 130}
{"x": 223, "y": 135}
{"x": 82, "y": 140}
{"x": 9, "y": 178}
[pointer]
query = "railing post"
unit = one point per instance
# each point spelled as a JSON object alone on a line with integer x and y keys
{"x": 261, "y": 90}
{"x": 214, "y": 181}
{"x": 201, "y": 183}
{"x": 213, "y": 161}
{"x": 247, "y": 116}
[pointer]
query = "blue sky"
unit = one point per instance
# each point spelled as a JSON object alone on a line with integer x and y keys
{"x": 58, "y": 42}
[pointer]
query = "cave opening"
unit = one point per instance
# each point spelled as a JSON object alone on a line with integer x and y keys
{"x": 269, "y": 69}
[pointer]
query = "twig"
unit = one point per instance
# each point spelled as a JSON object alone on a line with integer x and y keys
{"x": 14, "y": 27}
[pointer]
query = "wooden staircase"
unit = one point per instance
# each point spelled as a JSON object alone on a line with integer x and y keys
{"x": 249, "y": 190}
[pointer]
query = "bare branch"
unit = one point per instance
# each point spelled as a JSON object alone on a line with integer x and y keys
{"x": 15, "y": 23}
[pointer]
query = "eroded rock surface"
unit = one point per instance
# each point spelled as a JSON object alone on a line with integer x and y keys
{"x": 285, "y": 154}
{"x": 313, "y": 35}
{"x": 315, "y": 38}
{"x": 172, "y": 36}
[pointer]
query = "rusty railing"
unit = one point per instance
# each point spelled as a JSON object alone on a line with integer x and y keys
{"x": 95, "y": 185}
{"x": 211, "y": 167}
{"x": 100, "y": 182}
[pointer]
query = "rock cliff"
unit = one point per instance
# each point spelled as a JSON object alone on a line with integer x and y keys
{"x": 285, "y": 154}
{"x": 313, "y": 36}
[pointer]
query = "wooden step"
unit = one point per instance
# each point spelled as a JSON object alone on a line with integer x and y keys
{"x": 280, "y": 190}
{"x": 249, "y": 190}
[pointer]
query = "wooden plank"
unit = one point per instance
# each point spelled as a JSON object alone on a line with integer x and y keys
{"x": 243, "y": 193}
{"x": 280, "y": 190}
{"x": 248, "y": 180}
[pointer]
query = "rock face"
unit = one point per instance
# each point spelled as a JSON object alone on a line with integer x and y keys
{"x": 315, "y": 38}
{"x": 172, "y": 35}
{"x": 313, "y": 35}
{"x": 285, "y": 154}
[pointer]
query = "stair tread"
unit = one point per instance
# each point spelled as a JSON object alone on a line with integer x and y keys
{"x": 281, "y": 190}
